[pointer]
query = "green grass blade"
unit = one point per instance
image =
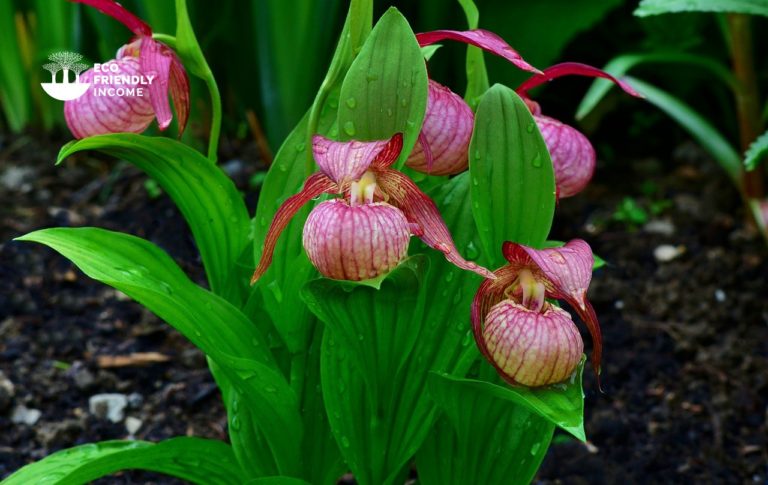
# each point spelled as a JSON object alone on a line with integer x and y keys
{"x": 657, "y": 7}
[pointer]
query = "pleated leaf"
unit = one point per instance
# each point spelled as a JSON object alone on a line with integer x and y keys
{"x": 513, "y": 184}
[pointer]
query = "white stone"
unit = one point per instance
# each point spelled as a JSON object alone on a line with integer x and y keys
{"x": 24, "y": 415}
{"x": 109, "y": 406}
{"x": 667, "y": 252}
{"x": 132, "y": 425}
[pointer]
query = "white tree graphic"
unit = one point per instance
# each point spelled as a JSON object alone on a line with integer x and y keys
{"x": 53, "y": 68}
{"x": 78, "y": 68}
{"x": 66, "y": 61}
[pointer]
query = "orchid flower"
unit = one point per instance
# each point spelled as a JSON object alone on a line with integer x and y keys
{"x": 365, "y": 233}
{"x": 530, "y": 341}
{"x": 445, "y": 134}
{"x": 573, "y": 157}
{"x": 92, "y": 114}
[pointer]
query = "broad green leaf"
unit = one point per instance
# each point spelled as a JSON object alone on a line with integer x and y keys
{"x": 287, "y": 87}
{"x": 15, "y": 97}
{"x": 696, "y": 125}
{"x": 758, "y": 150}
{"x": 481, "y": 438}
{"x": 429, "y": 50}
{"x": 278, "y": 481}
{"x": 513, "y": 184}
{"x": 209, "y": 201}
{"x": 561, "y": 404}
{"x": 146, "y": 273}
{"x": 620, "y": 65}
{"x": 477, "y": 74}
{"x": 369, "y": 335}
{"x": 197, "y": 460}
{"x": 656, "y": 7}
{"x": 385, "y": 90}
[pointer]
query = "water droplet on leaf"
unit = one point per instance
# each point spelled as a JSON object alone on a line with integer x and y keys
{"x": 351, "y": 102}
{"x": 349, "y": 128}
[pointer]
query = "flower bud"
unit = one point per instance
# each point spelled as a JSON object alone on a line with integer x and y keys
{"x": 446, "y": 132}
{"x": 357, "y": 242}
{"x": 532, "y": 348}
{"x": 573, "y": 157}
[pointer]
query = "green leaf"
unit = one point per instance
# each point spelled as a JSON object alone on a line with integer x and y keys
{"x": 696, "y": 125}
{"x": 477, "y": 74}
{"x": 513, "y": 183}
{"x": 278, "y": 481}
{"x": 482, "y": 438}
{"x": 561, "y": 404}
{"x": 757, "y": 151}
{"x": 385, "y": 90}
{"x": 367, "y": 343}
{"x": 620, "y": 65}
{"x": 186, "y": 43}
{"x": 147, "y": 274}
{"x": 209, "y": 201}
{"x": 194, "y": 459}
{"x": 15, "y": 96}
{"x": 656, "y": 7}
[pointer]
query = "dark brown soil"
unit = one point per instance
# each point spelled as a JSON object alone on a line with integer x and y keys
{"x": 685, "y": 370}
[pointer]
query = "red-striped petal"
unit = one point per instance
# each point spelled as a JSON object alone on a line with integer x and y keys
{"x": 573, "y": 157}
{"x": 445, "y": 134}
{"x": 91, "y": 115}
{"x": 419, "y": 209}
{"x": 314, "y": 186}
{"x": 566, "y": 272}
{"x": 355, "y": 242}
{"x": 179, "y": 90}
{"x": 571, "y": 69}
{"x": 532, "y": 348}
{"x": 483, "y": 39}
{"x": 347, "y": 161}
{"x": 155, "y": 60}
{"x": 119, "y": 13}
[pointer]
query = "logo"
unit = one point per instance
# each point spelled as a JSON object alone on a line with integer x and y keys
{"x": 65, "y": 62}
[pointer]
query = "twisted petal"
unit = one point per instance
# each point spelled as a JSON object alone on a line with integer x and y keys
{"x": 314, "y": 186}
{"x": 571, "y": 69}
{"x": 573, "y": 157}
{"x": 347, "y": 161}
{"x": 355, "y": 242}
{"x": 419, "y": 209}
{"x": 566, "y": 273}
{"x": 119, "y": 13}
{"x": 169, "y": 78}
{"x": 483, "y": 39}
{"x": 445, "y": 134}
{"x": 91, "y": 115}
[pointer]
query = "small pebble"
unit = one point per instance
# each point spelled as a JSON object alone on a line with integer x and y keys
{"x": 109, "y": 406}
{"x": 720, "y": 295}
{"x": 132, "y": 425}
{"x": 667, "y": 252}
{"x": 24, "y": 415}
{"x": 660, "y": 226}
{"x": 619, "y": 304}
{"x": 135, "y": 400}
{"x": 7, "y": 392}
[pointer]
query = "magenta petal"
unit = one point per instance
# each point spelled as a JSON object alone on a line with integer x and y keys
{"x": 419, "y": 209}
{"x": 91, "y": 115}
{"x": 573, "y": 156}
{"x": 156, "y": 61}
{"x": 347, "y": 161}
{"x": 566, "y": 273}
{"x": 315, "y": 185}
{"x": 445, "y": 133}
{"x": 179, "y": 88}
{"x": 571, "y": 69}
{"x": 483, "y": 39}
{"x": 119, "y": 13}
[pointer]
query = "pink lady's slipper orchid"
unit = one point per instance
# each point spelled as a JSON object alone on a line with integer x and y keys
{"x": 112, "y": 104}
{"x": 447, "y": 128}
{"x": 364, "y": 233}
{"x": 530, "y": 341}
{"x": 573, "y": 157}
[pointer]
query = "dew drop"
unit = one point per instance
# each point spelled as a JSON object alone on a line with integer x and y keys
{"x": 475, "y": 181}
{"x": 535, "y": 448}
{"x": 530, "y": 126}
{"x": 403, "y": 102}
{"x": 449, "y": 277}
{"x": 471, "y": 252}
{"x": 371, "y": 77}
{"x": 300, "y": 147}
{"x": 235, "y": 423}
{"x": 351, "y": 102}
{"x": 349, "y": 128}
{"x": 390, "y": 112}
{"x": 345, "y": 442}
{"x": 536, "y": 162}
{"x": 333, "y": 103}
{"x": 283, "y": 167}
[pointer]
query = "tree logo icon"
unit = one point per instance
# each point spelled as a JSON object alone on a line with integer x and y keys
{"x": 65, "y": 62}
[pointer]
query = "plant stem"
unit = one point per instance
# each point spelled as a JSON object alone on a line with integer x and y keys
{"x": 747, "y": 96}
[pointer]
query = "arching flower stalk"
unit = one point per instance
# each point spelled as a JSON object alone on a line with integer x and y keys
{"x": 365, "y": 232}
{"x": 91, "y": 114}
{"x": 530, "y": 341}
{"x": 573, "y": 157}
{"x": 447, "y": 128}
